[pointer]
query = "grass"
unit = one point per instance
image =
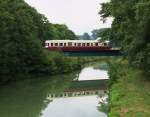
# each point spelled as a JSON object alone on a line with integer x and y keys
{"x": 130, "y": 94}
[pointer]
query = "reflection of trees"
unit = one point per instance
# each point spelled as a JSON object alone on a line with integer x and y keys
{"x": 89, "y": 84}
{"x": 103, "y": 104}
{"x": 28, "y": 98}
{"x": 77, "y": 76}
{"x": 102, "y": 66}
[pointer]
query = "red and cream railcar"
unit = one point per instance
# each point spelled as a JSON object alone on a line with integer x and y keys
{"x": 76, "y": 45}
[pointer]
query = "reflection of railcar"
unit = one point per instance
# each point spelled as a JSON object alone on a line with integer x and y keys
{"x": 77, "y": 45}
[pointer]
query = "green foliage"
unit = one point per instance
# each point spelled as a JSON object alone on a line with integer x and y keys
{"x": 129, "y": 93}
{"x": 86, "y": 36}
{"x": 99, "y": 33}
{"x": 105, "y": 11}
{"x": 114, "y": 66}
{"x": 22, "y": 33}
{"x": 20, "y": 48}
{"x": 130, "y": 29}
{"x": 104, "y": 106}
{"x": 62, "y": 32}
{"x": 104, "y": 33}
{"x": 58, "y": 63}
{"x": 94, "y": 33}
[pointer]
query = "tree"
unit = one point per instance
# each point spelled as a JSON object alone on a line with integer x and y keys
{"x": 21, "y": 32}
{"x": 104, "y": 33}
{"x": 63, "y": 32}
{"x": 94, "y": 34}
{"x": 130, "y": 29}
{"x": 86, "y": 36}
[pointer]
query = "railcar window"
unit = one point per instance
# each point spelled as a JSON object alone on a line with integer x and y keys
{"x": 105, "y": 44}
{"x": 64, "y": 44}
{"x": 56, "y": 44}
{"x": 61, "y": 44}
{"x": 91, "y": 44}
{"x": 83, "y": 44}
{"x": 88, "y": 44}
{"x": 79, "y": 44}
{"x": 96, "y": 44}
{"x": 51, "y": 44}
{"x": 70, "y": 44}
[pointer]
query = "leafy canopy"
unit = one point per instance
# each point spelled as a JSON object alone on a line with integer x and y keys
{"x": 131, "y": 29}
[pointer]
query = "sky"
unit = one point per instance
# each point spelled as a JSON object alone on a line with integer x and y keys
{"x": 79, "y": 15}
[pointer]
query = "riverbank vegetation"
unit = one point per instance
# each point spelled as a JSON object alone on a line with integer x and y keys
{"x": 130, "y": 30}
{"x": 129, "y": 91}
{"x": 22, "y": 35}
{"x": 129, "y": 77}
{"x": 59, "y": 63}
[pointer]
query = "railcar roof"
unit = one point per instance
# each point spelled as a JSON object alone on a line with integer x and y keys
{"x": 61, "y": 41}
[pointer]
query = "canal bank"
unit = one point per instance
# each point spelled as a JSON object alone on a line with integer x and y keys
{"x": 129, "y": 91}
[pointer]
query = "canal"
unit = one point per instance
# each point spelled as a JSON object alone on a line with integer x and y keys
{"x": 70, "y": 95}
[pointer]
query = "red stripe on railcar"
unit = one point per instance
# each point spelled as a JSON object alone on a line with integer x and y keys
{"x": 79, "y": 49}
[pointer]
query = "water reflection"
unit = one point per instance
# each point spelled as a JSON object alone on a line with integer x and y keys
{"x": 28, "y": 98}
{"x": 33, "y": 98}
{"x": 90, "y": 73}
{"x": 74, "y": 107}
{"x": 77, "y": 93}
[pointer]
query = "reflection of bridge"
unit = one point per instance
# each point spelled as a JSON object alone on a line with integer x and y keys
{"x": 83, "y": 88}
{"x": 78, "y": 93}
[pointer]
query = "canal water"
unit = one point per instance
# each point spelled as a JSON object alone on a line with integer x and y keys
{"x": 71, "y": 95}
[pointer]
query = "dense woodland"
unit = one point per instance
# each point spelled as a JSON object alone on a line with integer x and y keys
{"x": 130, "y": 29}
{"x": 22, "y": 34}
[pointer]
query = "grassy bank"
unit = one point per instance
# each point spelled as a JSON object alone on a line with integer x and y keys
{"x": 129, "y": 91}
